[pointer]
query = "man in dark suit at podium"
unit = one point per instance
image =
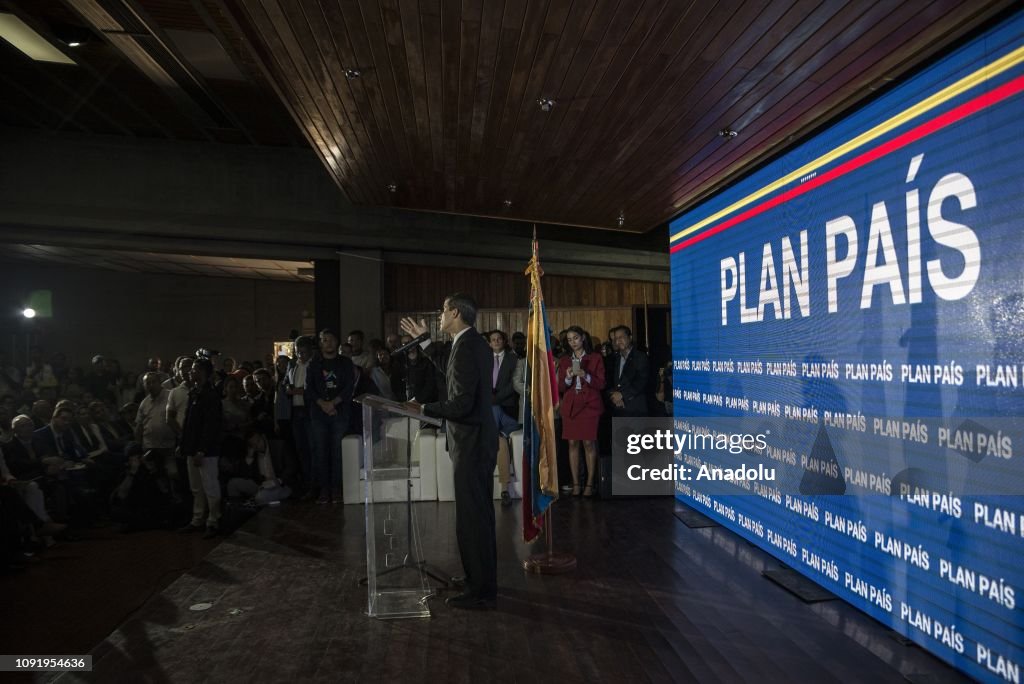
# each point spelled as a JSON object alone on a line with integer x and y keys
{"x": 472, "y": 442}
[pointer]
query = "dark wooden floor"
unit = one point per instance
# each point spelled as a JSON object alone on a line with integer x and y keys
{"x": 652, "y": 600}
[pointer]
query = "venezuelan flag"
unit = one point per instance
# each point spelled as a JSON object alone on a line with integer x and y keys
{"x": 540, "y": 467}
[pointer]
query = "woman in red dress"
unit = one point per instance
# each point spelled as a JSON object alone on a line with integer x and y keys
{"x": 580, "y": 377}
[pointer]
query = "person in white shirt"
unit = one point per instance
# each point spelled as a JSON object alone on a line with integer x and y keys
{"x": 177, "y": 398}
{"x": 151, "y": 428}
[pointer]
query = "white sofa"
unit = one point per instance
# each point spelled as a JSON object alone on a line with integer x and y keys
{"x": 424, "y": 469}
{"x": 445, "y": 478}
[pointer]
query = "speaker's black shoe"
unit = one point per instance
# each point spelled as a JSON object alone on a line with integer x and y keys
{"x": 506, "y": 499}
{"x": 470, "y": 602}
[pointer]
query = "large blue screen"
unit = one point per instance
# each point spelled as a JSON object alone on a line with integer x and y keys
{"x": 866, "y": 292}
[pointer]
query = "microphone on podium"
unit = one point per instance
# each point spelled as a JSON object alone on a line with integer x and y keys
{"x": 409, "y": 345}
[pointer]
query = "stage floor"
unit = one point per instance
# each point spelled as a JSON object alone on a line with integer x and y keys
{"x": 652, "y": 600}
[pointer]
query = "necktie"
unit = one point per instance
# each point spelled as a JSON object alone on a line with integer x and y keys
{"x": 494, "y": 373}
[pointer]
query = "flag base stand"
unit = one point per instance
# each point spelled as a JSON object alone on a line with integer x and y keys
{"x": 549, "y": 562}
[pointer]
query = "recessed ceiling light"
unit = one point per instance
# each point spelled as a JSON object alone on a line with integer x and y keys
{"x": 71, "y": 35}
{"x": 352, "y": 73}
{"x": 546, "y": 104}
{"x": 727, "y": 133}
{"x": 621, "y": 220}
{"x": 392, "y": 187}
{"x": 508, "y": 204}
{"x": 20, "y": 35}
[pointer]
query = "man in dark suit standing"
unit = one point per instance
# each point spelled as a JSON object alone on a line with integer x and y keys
{"x": 472, "y": 443}
{"x": 629, "y": 370}
{"x": 504, "y": 405}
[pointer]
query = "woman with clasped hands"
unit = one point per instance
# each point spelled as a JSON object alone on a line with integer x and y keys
{"x": 580, "y": 377}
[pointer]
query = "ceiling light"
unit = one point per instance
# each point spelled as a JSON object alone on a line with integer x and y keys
{"x": 71, "y": 35}
{"x": 20, "y": 35}
{"x": 727, "y": 133}
{"x": 546, "y": 104}
{"x": 508, "y": 204}
{"x": 621, "y": 220}
{"x": 29, "y": 313}
{"x": 352, "y": 73}
{"x": 392, "y": 188}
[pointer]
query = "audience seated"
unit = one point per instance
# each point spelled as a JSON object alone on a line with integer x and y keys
{"x": 55, "y": 439}
{"x": 42, "y": 411}
{"x": 88, "y": 434}
{"x": 77, "y": 446}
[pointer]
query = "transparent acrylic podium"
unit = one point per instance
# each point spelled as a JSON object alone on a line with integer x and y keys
{"x": 397, "y": 575}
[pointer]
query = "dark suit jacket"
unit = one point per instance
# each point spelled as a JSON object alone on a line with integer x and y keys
{"x": 472, "y": 432}
{"x": 504, "y": 393}
{"x": 632, "y": 383}
{"x": 204, "y": 423}
{"x": 23, "y": 464}
{"x": 44, "y": 443}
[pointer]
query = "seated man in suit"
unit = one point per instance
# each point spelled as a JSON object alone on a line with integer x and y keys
{"x": 472, "y": 443}
{"x": 627, "y": 382}
{"x": 56, "y": 438}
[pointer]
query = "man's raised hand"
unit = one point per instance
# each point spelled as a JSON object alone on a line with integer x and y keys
{"x": 412, "y": 327}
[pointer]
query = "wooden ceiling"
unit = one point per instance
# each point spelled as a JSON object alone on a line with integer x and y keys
{"x": 138, "y": 75}
{"x": 445, "y": 107}
{"x": 128, "y": 261}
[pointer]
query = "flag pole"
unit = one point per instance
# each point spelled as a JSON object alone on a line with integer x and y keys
{"x": 550, "y": 562}
{"x": 647, "y": 320}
